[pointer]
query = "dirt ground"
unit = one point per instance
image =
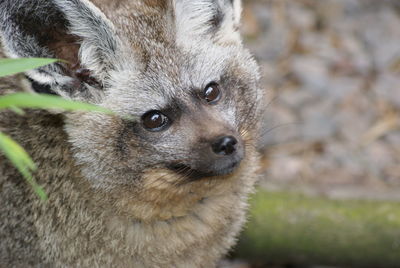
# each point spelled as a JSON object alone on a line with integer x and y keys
{"x": 331, "y": 70}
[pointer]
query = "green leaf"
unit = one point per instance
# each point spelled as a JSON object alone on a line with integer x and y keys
{"x": 22, "y": 161}
{"x": 17, "y": 110}
{"x": 14, "y": 66}
{"x": 44, "y": 101}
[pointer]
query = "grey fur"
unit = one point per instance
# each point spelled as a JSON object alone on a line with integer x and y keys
{"x": 113, "y": 201}
{"x": 24, "y": 25}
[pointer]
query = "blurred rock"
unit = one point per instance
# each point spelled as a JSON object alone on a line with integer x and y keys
{"x": 333, "y": 70}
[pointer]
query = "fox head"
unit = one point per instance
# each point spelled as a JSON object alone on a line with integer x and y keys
{"x": 184, "y": 89}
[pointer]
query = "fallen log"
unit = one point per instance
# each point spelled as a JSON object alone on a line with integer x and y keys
{"x": 289, "y": 228}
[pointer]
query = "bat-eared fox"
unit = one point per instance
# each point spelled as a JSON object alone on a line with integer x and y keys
{"x": 161, "y": 182}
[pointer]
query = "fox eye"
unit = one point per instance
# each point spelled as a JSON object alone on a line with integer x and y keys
{"x": 212, "y": 93}
{"x": 155, "y": 121}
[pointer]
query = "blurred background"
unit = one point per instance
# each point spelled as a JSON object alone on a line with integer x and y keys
{"x": 330, "y": 186}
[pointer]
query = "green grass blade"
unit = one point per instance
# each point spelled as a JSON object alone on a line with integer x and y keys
{"x": 22, "y": 161}
{"x": 14, "y": 66}
{"x": 17, "y": 110}
{"x": 44, "y": 101}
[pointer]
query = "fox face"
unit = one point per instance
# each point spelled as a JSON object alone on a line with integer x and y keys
{"x": 184, "y": 91}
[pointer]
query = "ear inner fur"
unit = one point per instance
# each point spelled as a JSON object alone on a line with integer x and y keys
{"x": 217, "y": 20}
{"x": 71, "y": 30}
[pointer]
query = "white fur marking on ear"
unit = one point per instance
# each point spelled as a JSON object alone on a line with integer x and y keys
{"x": 192, "y": 17}
{"x": 237, "y": 8}
{"x": 194, "y": 20}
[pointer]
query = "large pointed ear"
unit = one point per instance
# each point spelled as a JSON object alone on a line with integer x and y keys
{"x": 72, "y": 30}
{"x": 217, "y": 20}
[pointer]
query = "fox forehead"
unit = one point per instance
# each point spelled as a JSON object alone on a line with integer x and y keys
{"x": 169, "y": 73}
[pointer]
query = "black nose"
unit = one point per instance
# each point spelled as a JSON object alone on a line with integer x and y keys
{"x": 225, "y": 145}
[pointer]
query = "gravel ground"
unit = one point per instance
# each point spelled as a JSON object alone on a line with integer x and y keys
{"x": 331, "y": 70}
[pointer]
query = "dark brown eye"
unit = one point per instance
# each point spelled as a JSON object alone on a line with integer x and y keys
{"x": 155, "y": 121}
{"x": 212, "y": 93}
